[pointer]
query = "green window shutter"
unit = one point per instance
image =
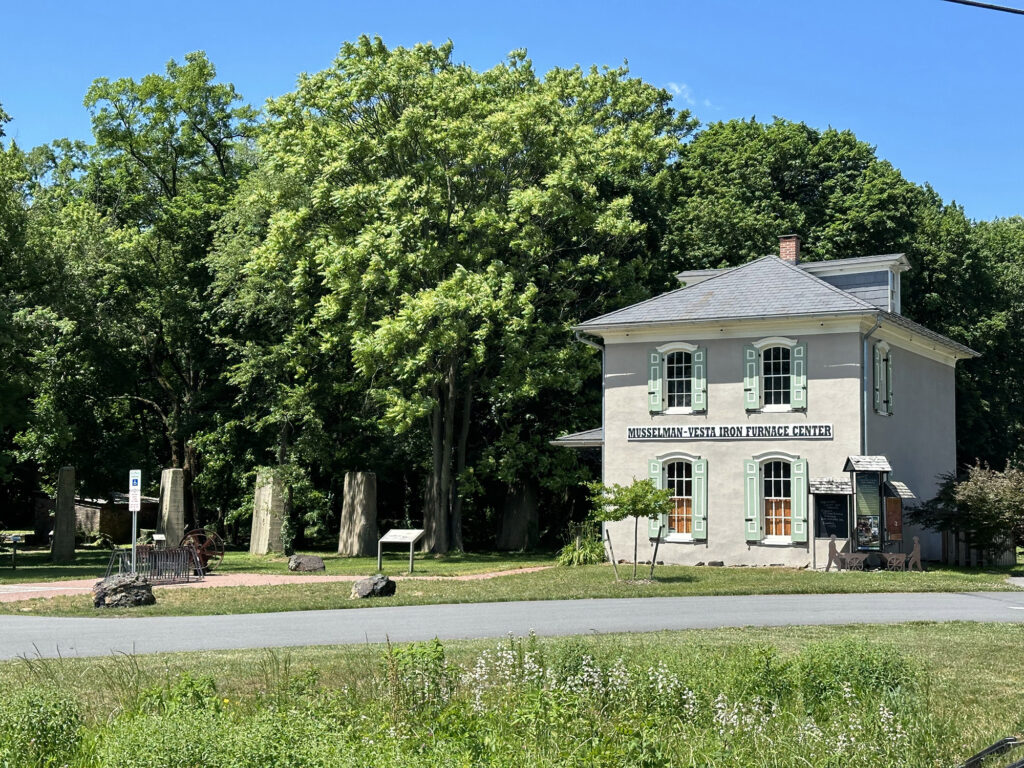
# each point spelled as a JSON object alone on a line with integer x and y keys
{"x": 751, "y": 378}
{"x": 752, "y": 500}
{"x": 654, "y": 474}
{"x": 798, "y": 503}
{"x": 879, "y": 371}
{"x": 654, "y": 404}
{"x": 700, "y": 499}
{"x": 888, "y": 382}
{"x": 798, "y": 376}
{"x": 699, "y": 388}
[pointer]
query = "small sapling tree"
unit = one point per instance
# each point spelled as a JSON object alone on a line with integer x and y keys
{"x": 639, "y": 500}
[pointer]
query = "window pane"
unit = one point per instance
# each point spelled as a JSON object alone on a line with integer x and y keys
{"x": 679, "y": 477}
{"x": 775, "y": 373}
{"x": 678, "y": 373}
{"x": 777, "y": 502}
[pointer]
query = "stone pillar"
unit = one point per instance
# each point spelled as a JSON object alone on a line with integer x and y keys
{"x": 170, "y": 519}
{"x": 358, "y": 534}
{"x": 267, "y": 514}
{"x": 63, "y": 548}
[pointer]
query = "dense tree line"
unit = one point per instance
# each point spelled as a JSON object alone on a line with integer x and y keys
{"x": 381, "y": 269}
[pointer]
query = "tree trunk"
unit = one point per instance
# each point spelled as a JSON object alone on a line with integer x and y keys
{"x": 460, "y": 466}
{"x": 435, "y": 521}
{"x": 519, "y": 520}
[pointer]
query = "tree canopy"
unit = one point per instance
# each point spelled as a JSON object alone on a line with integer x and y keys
{"x": 380, "y": 271}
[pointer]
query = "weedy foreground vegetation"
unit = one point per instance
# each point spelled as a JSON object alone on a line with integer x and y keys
{"x": 792, "y": 697}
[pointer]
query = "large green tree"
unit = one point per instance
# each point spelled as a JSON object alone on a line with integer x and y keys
{"x": 126, "y": 357}
{"x": 441, "y": 229}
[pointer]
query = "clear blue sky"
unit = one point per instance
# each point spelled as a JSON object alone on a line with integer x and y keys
{"x": 935, "y": 86}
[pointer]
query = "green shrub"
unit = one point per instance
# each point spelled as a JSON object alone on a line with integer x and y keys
{"x": 38, "y": 726}
{"x": 583, "y": 545}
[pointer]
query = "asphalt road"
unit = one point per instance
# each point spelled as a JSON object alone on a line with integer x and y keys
{"x": 48, "y": 636}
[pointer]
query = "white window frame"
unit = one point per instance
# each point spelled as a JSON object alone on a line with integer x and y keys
{"x": 761, "y": 345}
{"x": 666, "y": 459}
{"x": 762, "y": 460}
{"x": 665, "y": 350}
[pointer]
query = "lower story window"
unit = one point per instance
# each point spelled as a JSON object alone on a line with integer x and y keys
{"x": 679, "y": 480}
{"x": 778, "y": 509}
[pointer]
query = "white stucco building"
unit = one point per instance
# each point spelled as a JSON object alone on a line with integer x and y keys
{"x": 752, "y": 391}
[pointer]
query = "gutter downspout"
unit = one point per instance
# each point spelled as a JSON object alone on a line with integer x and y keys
{"x": 591, "y": 343}
{"x": 864, "y": 390}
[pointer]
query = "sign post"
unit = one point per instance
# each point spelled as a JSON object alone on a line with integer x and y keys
{"x": 134, "y": 505}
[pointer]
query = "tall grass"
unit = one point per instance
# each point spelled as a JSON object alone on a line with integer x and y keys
{"x": 519, "y": 702}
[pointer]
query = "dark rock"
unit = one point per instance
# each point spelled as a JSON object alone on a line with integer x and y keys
{"x": 661, "y": 562}
{"x": 123, "y": 590}
{"x": 306, "y": 563}
{"x": 701, "y": 563}
{"x": 375, "y": 586}
{"x": 716, "y": 563}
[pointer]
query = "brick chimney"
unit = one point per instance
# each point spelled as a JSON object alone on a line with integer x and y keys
{"x": 789, "y": 248}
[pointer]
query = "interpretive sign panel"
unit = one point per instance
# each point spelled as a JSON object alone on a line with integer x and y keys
{"x": 832, "y": 516}
{"x": 732, "y": 432}
{"x": 400, "y": 536}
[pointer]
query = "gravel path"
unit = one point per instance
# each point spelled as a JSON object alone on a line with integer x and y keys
{"x": 10, "y": 593}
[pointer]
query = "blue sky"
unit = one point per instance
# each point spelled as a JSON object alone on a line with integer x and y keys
{"x": 935, "y": 86}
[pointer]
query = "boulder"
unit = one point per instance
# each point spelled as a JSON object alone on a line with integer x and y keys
{"x": 306, "y": 563}
{"x": 716, "y": 563}
{"x": 122, "y": 590}
{"x": 375, "y": 586}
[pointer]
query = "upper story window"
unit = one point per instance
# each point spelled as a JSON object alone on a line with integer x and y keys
{"x": 883, "y": 379}
{"x": 775, "y": 375}
{"x": 677, "y": 378}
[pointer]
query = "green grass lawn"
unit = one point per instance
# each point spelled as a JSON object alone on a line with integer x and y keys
{"x": 594, "y": 581}
{"x": 35, "y": 565}
{"x": 972, "y": 672}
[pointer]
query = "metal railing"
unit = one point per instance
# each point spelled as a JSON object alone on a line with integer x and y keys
{"x": 175, "y": 565}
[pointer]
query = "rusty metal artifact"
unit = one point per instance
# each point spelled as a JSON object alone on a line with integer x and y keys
{"x": 208, "y": 545}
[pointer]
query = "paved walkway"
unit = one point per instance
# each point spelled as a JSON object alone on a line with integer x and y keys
{"x": 10, "y": 593}
{"x": 48, "y": 636}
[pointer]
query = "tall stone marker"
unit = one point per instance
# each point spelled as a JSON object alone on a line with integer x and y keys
{"x": 171, "y": 516}
{"x": 358, "y": 534}
{"x": 63, "y": 548}
{"x": 267, "y": 514}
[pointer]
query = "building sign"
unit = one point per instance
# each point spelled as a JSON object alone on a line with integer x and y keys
{"x": 733, "y": 432}
{"x": 832, "y": 516}
{"x": 869, "y": 509}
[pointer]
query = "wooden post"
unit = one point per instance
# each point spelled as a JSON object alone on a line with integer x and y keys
{"x": 656, "y": 543}
{"x": 611, "y": 552}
